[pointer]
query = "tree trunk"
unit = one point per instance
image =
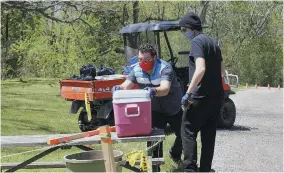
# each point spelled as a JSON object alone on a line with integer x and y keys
{"x": 135, "y": 12}
{"x": 124, "y": 13}
{"x": 202, "y": 10}
{"x": 7, "y": 28}
{"x": 132, "y": 39}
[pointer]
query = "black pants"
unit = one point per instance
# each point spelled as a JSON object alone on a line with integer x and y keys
{"x": 160, "y": 121}
{"x": 201, "y": 116}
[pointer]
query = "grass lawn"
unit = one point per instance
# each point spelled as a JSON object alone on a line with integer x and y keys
{"x": 35, "y": 107}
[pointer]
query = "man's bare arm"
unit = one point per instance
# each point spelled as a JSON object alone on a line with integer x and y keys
{"x": 126, "y": 85}
{"x": 163, "y": 89}
{"x": 198, "y": 74}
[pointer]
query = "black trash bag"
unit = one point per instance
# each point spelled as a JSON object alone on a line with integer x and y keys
{"x": 105, "y": 71}
{"x": 87, "y": 72}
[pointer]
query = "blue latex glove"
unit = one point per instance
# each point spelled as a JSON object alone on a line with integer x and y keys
{"x": 152, "y": 91}
{"x": 185, "y": 99}
{"x": 114, "y": 88}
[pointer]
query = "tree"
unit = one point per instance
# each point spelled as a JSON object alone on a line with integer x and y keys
{"x": 54, "y": 38}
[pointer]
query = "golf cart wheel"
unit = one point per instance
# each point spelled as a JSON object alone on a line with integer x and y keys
{"x": 85, "y": 124}
{"x": 228, "y": 114}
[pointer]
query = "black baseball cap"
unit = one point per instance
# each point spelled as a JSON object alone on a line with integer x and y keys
{"x": 191, "y": 20}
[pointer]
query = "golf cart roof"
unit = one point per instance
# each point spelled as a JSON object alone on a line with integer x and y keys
{"x": 151, "y": 26}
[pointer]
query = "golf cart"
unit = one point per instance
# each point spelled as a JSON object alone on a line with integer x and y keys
{"x": 162, "y": 35}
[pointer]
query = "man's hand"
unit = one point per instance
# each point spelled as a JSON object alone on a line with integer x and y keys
{"x": 152, "y": 91}
{"x": 185, "y": 99}
{"x": 114, "y": 88}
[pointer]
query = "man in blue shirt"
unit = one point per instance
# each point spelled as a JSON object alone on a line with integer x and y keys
{"x": 158, "y": 77}
{"x": 204, "y": 95}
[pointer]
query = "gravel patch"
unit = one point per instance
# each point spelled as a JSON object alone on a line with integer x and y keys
{"x": 255, "y": 142}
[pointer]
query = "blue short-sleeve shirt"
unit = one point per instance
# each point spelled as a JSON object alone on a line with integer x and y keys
{"x": 169, "y": 104}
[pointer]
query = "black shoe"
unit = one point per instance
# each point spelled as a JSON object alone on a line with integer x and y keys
{"x": 211, "y": 170}
{"x": 175, "y": 159}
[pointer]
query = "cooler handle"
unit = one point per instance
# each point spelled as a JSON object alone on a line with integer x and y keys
{"x": 132, "y": 106}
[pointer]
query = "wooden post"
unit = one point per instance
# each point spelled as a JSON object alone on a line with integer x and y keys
{"x": 107, "y": 149}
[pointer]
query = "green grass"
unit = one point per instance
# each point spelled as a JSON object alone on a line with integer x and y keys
{"x": 34, "y": 107}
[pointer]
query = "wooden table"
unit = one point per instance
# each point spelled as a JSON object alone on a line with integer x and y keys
{"x": 41, "y": 140}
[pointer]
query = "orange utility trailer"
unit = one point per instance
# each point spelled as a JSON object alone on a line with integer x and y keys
{"x": 100, "y": 97}
{"x": 96, "y": 89}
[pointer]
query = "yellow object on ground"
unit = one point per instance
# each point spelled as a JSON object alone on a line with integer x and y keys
{"x": 135, "y": 155}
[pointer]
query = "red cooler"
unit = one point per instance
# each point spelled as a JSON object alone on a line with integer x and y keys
{"x": 132, "y": 112}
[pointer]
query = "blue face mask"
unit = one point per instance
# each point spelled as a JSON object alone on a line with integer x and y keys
{"x": 189, "y": 35}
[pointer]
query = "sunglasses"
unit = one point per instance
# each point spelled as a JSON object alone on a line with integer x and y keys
{"x": 146, "y": 60}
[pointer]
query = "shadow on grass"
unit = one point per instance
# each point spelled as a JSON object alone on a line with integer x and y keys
{"x": 27, "y": 124}
{"x": 29, "y": 82}
{"x": 29, "y": 94}
{"x": 44, "y": 81}
{"x": 30, "y": 109}
{"x": 39, "y": 110}
{"x": 48, "y": 129}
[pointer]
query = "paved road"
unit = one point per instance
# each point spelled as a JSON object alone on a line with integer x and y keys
{"x": 255, "y": 143}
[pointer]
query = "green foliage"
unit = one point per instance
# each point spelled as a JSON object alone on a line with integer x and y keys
{"x": 54, "y": 44}
{"x": 250, "y": 34}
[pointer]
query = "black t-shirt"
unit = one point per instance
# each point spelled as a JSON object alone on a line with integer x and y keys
{"x": 211, "y": 83}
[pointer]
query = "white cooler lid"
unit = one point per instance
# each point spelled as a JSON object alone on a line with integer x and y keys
{"x": 129, "y": 94}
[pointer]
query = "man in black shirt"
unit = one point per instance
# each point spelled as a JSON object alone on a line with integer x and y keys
{"x": 203, "y": 97}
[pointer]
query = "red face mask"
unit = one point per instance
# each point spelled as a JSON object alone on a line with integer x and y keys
{"x": 146, "y": 66}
